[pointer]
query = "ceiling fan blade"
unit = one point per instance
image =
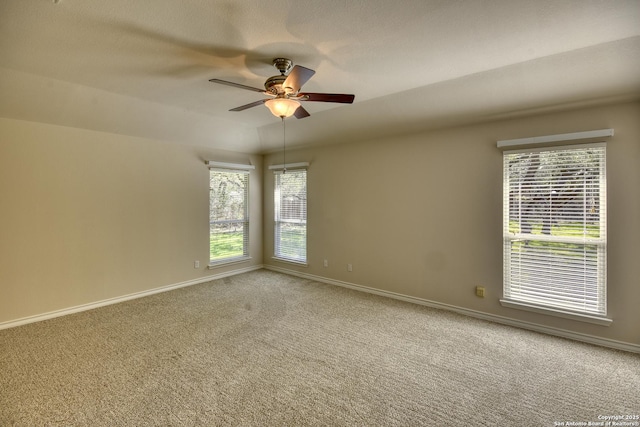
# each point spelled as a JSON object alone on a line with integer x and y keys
{"x": 238, "y": 85}
{"x": 301, "y": 113}
{"x": 298, "y": 77}
{"x": 342, "y": 98}
{"x": 246, "y": 106}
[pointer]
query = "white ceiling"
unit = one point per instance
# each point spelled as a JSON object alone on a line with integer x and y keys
{"x": 142, "y": 67}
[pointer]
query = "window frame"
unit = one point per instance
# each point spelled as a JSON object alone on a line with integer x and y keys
{"x": 558, "y": 308}
{"x": 279, "y": 221}
{"x": 244, "y": 172}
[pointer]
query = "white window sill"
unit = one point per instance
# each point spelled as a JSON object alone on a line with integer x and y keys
{"x": 290, "y": 261}
{"x": 604, "y": 321}
{"x": 215, "y": 264}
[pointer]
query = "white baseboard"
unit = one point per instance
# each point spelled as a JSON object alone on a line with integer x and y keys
{"x": 604, "y": 342}
{"x": 102, "y": 303}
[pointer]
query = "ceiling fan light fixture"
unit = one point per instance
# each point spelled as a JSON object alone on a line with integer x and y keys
{"x": 282, "y": 107}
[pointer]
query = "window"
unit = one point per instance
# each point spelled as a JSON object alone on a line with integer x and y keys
{"x": 290, "y": 200}
{"x": 554, "y": 228}
{"x": 228, "y": 215}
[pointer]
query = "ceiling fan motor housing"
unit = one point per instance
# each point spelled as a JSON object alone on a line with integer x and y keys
{"x": 274, "y": 85}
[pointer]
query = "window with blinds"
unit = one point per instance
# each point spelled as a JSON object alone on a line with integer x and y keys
{"x": 290, "y": 228}
{"x": 228, "y": 215}
{"x": 555, "y": 228}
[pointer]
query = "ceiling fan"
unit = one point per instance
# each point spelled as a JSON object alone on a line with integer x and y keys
{"x": 284, "y": 91}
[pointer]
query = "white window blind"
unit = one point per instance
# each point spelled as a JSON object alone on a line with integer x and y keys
{"x": 290, "y": 228}
{"x": 228, "y": 214}
{"x": 555, "y": 228}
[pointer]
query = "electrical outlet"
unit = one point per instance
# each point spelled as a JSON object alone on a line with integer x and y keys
{"x": 196, "y": 264}
{"x": 480, "y": 291}
{"x": 326, "y": 263}
{"x": 349, "y": 267}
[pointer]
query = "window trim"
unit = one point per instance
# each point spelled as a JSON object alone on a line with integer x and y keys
{"x": 563, "y": 138}
{"x": 227, "y": 261}
{"x": 279, "y": 170}
{"x": 566, "y": 314}
{"x": 594, "y": 318}
{"x": 290, "y": 261}
{"x": 238, "y": 169}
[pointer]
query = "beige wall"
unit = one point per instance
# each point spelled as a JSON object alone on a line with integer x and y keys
{"x": 87, "y": 216}
{"x": 421, "y": 215}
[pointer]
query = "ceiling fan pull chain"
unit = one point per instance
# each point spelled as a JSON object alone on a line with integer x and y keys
{"x": 284, "y": 147}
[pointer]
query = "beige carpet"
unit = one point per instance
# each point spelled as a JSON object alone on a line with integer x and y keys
{"x": 263, "y": 349}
